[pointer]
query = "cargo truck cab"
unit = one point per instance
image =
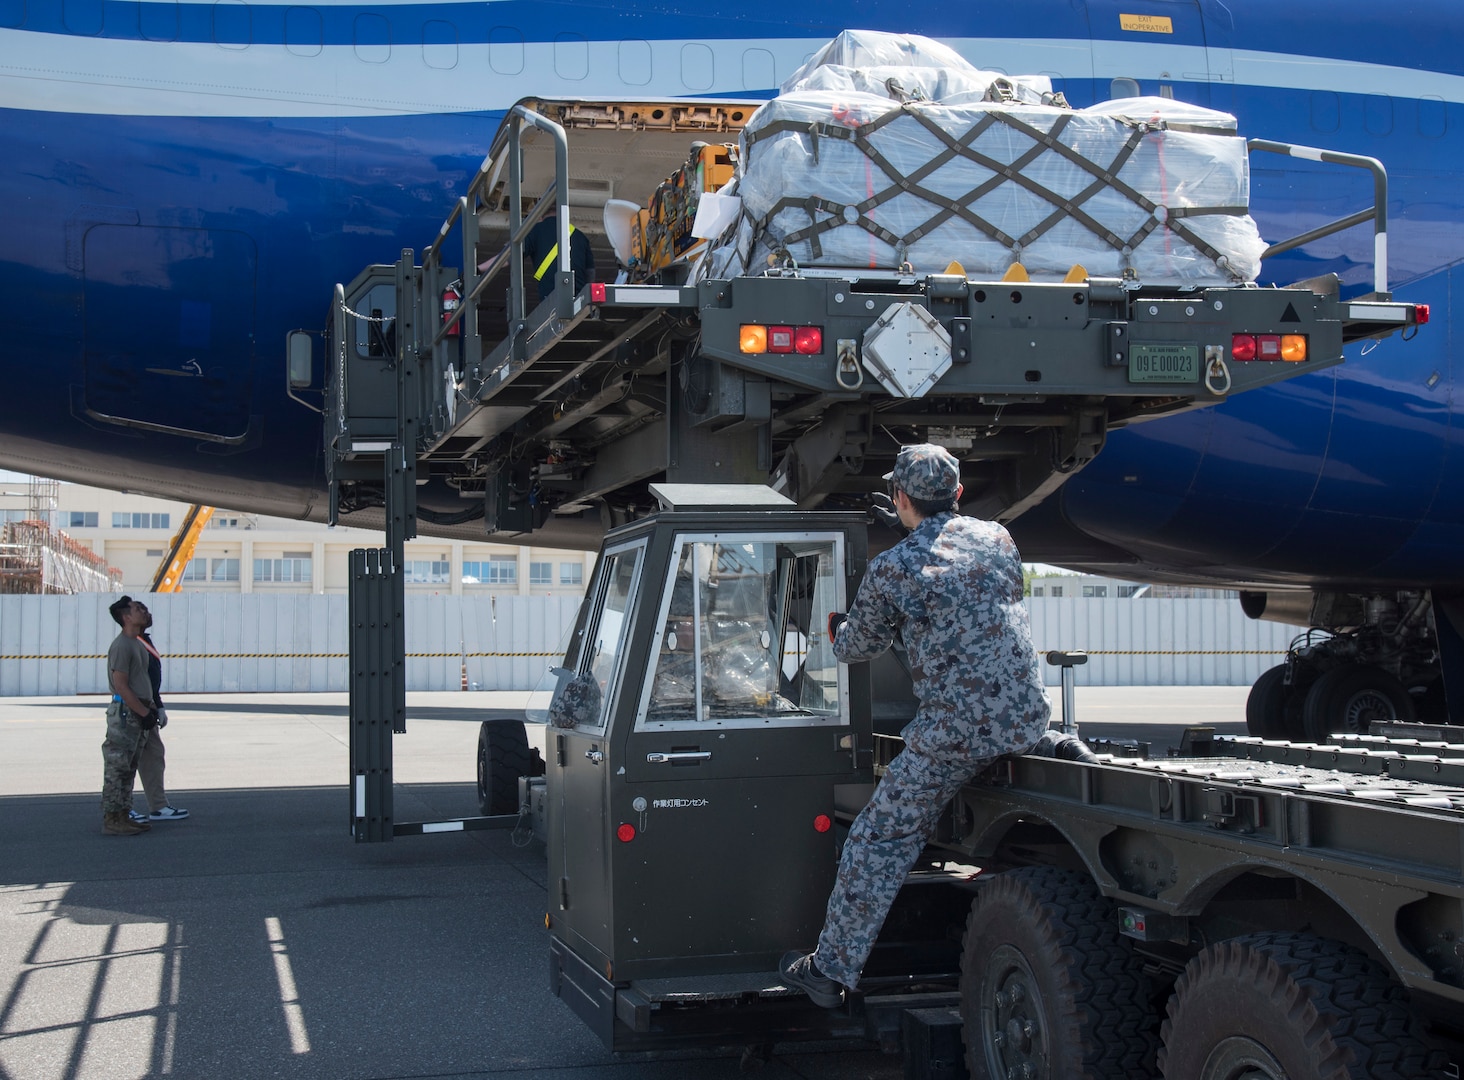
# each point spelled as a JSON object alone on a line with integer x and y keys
{"x": 692, "y": 805}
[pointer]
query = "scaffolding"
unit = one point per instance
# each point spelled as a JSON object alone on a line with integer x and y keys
{"x": 38, "y": 559}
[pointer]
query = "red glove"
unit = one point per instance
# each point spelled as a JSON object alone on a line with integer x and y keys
{"x": 836, "y": 620}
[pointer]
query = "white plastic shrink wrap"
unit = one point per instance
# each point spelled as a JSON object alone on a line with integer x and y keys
{"x": 843, "y": 178}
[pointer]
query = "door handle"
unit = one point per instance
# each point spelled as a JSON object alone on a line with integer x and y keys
{"x": 594, "y": 756}
{"x": 679, "y": 755}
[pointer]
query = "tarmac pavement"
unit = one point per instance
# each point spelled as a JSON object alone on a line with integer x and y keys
{"x": 255, "y": 939}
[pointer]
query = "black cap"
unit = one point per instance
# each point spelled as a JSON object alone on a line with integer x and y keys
{"x": 119, "y": 608}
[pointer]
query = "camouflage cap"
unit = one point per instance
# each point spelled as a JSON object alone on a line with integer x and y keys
{"x": 926, "y": 472}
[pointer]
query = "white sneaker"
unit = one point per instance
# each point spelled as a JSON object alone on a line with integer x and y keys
{"x": 134, "y": 817}
{"x": 167, "y": 813}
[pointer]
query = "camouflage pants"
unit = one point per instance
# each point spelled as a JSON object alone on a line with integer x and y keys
{"x": 120, "y": 750}
{"x": 884, "y": 842}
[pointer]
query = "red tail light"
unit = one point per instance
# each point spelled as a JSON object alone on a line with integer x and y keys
{"x": 1243, "y": 347}
{"x": 809, "y": 340}
{"x": 626, "y": 833}
{"x": 1420, "y": 314}
{"x": 597, "y": 292}
{"x": 822, "y": 823}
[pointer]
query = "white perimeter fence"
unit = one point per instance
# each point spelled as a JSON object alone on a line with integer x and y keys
{"x": 289, "y": 642}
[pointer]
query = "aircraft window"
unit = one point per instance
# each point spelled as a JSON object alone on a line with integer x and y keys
{"x": 1377, "y": 114}
{"x": 506, "y": 50}
{"x": 12, "y": 12}
{"x": 304, "y": 34}
{"x": 571, "y": 56}
{"x": 1433, "y": 117}
{"x": 158, "y": 22}
{"x": 232, "y": 25}
{"x": 373, "y": 38}
{"x": 698, "y": 67}
{"x": 759, "y": 70}
{"x": 1124, "y": 88}
{"x": 1326, "y": 111}
{"x": 742, "y": 634}
{"x": 439, "y": 44}
{"x": 635, "y": 62}
{"x": 82, "y": 16}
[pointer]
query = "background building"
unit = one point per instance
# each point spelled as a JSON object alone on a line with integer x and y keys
{"x": 247, "y": 553}
{"x": 1091, "y": 586}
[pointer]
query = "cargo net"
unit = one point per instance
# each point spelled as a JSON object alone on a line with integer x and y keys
{"x": 1145, "y": 187}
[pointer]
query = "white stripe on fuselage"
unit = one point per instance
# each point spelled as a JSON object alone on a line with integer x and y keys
{"x": 64, "y": 73}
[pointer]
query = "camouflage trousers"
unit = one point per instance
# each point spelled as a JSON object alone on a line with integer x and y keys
{"x": 884, "y": 842}
{"x": 120, "y": 751}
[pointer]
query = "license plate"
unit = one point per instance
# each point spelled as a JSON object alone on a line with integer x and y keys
{"x": 1164, "y": 363}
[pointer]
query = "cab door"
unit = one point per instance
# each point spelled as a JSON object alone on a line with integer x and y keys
{"x": 725, "y": 850}
{"x": 579, "y": 870}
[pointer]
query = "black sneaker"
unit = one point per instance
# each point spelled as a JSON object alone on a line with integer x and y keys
{"x": 797, "y": 970}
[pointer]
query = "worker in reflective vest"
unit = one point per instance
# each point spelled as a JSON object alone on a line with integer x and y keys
{"x": 541, "y": 251}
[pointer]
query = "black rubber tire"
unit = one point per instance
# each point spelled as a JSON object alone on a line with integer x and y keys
{"x": 1265, "y": 708}
{"x": 503, "y": 756}
{"x": 1047, "y": 982}
{"x": 1284, "y": 1005}
{"x": 1349, "y": 698}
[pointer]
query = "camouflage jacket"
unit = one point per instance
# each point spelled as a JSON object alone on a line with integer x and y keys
{"x": 952, "y": 592}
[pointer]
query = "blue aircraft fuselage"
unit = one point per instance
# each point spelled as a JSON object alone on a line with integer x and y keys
{"x": 185, "y": 182}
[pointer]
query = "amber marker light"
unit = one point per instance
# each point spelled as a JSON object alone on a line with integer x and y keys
{"x": 1293, "y": 347}
{"x": 754, "y": 338}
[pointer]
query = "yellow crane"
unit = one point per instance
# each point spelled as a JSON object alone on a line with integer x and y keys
{"x": 169, "y": 576}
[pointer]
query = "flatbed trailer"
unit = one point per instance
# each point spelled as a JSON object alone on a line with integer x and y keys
{"x": 692, "y": 813}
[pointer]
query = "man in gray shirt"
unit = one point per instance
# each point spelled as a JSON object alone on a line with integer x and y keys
{"x": 130, "y": 715}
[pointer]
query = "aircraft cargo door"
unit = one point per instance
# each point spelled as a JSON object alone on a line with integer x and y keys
{"x": 169, "y": 330}
{"x": 1152, "y": 47}
{"x": 725, "y": 852}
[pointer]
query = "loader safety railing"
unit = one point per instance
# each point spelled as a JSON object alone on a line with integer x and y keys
{"x": 506, "y": 150}
{"x": 1377, "y": 213}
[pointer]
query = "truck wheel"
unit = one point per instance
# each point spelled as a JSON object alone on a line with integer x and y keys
{"x": 1049, "y": 988}
{"x": 1265, "y": 708}
{"x": 1273, "y": 1006}
{"x": 503, "y": 756}
{"x": 1350, "y": 698}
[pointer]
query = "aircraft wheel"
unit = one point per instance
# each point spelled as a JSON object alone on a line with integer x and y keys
{"x": 1266, "y": 707}
{"x": 503, "y": 756}
{"x": 1277, "y": 1006}
{"x": 1049, "y": 988}
{"x": 1348, "y": 699}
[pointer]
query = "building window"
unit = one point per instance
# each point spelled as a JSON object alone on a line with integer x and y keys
{"x": 498, "y": 570}
{"x": 541, "y": 573}
{"x": 1095, "y": 590}
{"x": 1036, "y": 590}
{"x": 81, "y": 519}
{"x": 1057, "y": 590}
{"x": 571, "y": 573}
{"x": 196, "y": 570}
{"x": 223, "y": 569}
{"x": 428, "y": 571}
{"x": 139, "y": 521}
{"x": 219, "y": 522}
{"x": 154, "y": 553}
{"x": 8, "y": 516}
{"x": 1127, "y": 591}
{"x": 295, "y": 566}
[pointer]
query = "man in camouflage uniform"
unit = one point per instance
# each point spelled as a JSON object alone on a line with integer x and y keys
{"x": 129, "y": 717}
{"x": 952, "y": 591}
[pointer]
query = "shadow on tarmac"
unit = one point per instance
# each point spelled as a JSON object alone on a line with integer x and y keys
{"x": 256, "y": 939}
